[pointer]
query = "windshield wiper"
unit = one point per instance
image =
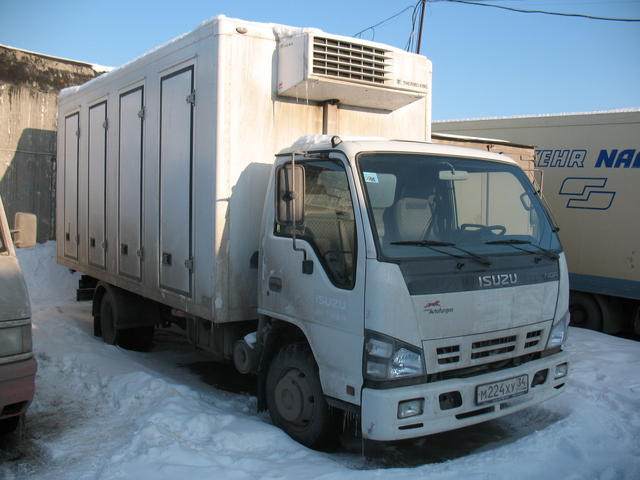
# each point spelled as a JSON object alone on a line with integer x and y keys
{"x": 432, "y": 243}
{"x": 513, "y": 242}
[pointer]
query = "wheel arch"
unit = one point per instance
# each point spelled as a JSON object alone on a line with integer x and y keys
{"x": 275, "y": 334}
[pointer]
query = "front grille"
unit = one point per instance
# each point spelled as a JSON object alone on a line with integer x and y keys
{"x": 350, "y": 61}
{"x": 466, "y": 372}
{"x": 475, "y": 350}
{"x": 448, "y": 354}
{"x": 533, "y": 339}
{"x": 494, "y": 346}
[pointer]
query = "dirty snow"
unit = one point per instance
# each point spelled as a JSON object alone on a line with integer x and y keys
{"x": 101, "y": 412}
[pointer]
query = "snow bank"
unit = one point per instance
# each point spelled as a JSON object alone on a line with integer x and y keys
{"x": 105, "y": 413}
{"x": 47, "y": 281}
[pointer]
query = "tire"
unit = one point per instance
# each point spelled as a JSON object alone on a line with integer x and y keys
{"x": 108, "y": 319}
{"x": 295, "y": 399}
{"x": 613, "y": 314}
{"x": 135, "y": 338}
{"x": 97, "y": 330}
{"x": 585, "y": 311}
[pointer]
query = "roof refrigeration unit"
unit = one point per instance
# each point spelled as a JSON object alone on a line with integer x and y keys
{"x": 315, "y": 66}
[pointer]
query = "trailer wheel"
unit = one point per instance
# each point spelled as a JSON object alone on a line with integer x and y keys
{"x": 295, "y": 399}
{"x": 585, "y": 311}
{"x": 108, "y": 319}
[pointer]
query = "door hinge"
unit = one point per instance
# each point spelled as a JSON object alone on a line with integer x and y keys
{"x": 141, "y": 113}
{"x": 78, "y": 132}
{"x": 104, "y": 244}
{"x": 105, "y": 124}
{"x": 140, "y": 253}
{"x": 189, "y": 264}
{"x": 192, "y": 98}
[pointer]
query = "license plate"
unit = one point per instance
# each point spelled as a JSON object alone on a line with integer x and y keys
{"x": 496, "y": 391}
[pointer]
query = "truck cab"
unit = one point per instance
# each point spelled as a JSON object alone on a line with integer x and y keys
{"x": 17, "y": 364}
{"x": 423, "y": 285}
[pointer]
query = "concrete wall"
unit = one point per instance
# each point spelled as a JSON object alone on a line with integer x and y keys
{"x": 29, "y": 87}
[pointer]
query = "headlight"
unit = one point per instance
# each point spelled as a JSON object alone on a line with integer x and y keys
{"x": 386, "y": 358}
{"x": 559, "y": 331}
{"x": 15, "y": 340}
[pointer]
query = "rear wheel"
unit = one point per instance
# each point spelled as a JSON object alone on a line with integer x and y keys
{"x": 136, "y": 338}
{"x": 108, "y": 319}
{"x": 295, "y": 399}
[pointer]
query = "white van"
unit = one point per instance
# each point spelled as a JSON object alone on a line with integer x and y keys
{"x": 17, "y": 363}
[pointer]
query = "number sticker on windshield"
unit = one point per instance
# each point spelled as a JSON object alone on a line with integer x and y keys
{"x": 371, "y": 177}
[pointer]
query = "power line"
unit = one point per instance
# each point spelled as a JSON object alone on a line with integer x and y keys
{"x": 424, "y": 3}
{"x": 415, "y": 7}
{"x": 382, "y": 22}
{"x": 414, "y": 19}
{"x": 544, "y": 12}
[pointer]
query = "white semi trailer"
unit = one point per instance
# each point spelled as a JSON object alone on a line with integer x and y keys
{"x": 416, "y": 287}
{"x": 591, "y": 172}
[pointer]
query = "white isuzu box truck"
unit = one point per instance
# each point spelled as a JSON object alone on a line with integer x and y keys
{"x": 591, "y": 172}
{"x": 415, "y": 287}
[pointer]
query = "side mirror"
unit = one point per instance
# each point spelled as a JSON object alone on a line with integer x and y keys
{"x": 527, "y": 202}
{"x": 26, "y": 228}
{"x": 290, "y": 190}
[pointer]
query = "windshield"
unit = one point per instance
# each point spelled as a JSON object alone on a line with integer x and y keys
{"x": 425, "y": 205}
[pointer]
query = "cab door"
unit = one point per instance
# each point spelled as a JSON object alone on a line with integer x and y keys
{"x": 324, "y": 295}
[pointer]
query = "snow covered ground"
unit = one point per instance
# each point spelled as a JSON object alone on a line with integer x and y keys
{"x": 102, "y": 412}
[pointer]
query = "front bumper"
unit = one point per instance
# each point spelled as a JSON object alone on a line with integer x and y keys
{"x": 17, "y": 387}
{"x": 380, "y": 407}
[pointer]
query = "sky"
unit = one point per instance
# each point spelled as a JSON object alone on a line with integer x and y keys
{"x": 486, "y": 62}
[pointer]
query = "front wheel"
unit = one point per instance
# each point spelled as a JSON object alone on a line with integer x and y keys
{"x": 295, "y": 399}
